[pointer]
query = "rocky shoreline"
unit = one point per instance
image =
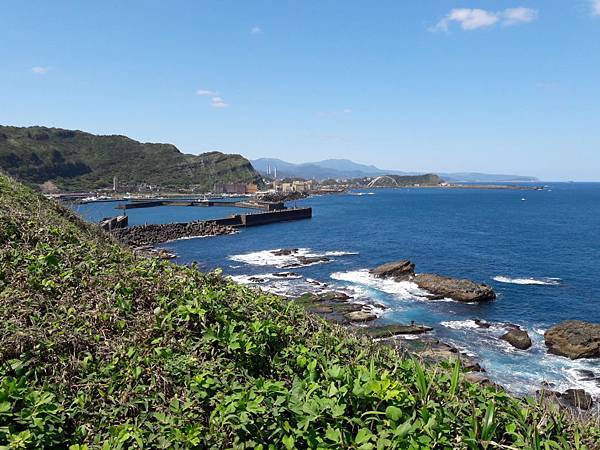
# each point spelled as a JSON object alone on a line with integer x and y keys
{"x": 574, "y": 339}
{"x": 152, "y": 234}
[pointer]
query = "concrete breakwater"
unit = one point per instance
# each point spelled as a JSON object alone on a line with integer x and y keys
{"x": 151, "y": 234}
{"x": 254, "y": 204}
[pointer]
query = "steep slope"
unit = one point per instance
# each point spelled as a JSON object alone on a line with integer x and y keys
{"x": 101, "y": 349}
{"x": 74, "y": 160}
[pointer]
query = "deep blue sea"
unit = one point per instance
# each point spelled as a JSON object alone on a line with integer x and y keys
{"x": 540, "y": 250}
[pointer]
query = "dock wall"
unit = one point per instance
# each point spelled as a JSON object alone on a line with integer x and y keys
{"x": 250, "y": 220}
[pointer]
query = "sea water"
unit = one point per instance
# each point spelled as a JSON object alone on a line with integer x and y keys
{"x": 539, "y": 250}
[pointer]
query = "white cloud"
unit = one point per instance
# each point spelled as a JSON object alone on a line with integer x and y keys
{"x": 596, "y": 8}
{"x": 218, "y": 102}
{"x": 475, "y": 18}
{"x": 256, "y": 30}
{"x": 40, "y": 70}
{"x": 514, "y": 16}
{"x": 206, "y": 92}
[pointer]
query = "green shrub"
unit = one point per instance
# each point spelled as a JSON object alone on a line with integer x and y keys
{"x": 102, "y": 349}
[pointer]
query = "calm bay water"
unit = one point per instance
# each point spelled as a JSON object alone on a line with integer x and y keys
{"x": 538, "y": 249}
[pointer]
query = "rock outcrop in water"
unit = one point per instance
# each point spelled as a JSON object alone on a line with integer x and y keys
{"x": 517, "y": 338}
{"x": 574, "y": 339}
{"x": 398, "y": 270}
{"x": 437, "y": 286}
{"x": 300, "y": 260}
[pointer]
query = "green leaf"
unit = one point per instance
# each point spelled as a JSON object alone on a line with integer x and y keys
{"x": 363, "y": 435}
{"x": 393, "y": 412}
{"x": 334, "y": 435}
{"x": 455, "y": 378}
{"x": 289, "y": 442}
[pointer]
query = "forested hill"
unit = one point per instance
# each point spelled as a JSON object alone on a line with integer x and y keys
{"x": 75, "y": 160}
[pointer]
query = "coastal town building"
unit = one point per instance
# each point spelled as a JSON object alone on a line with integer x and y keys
{"x": 235, "y": 188}
{"x": 293, "y": 186}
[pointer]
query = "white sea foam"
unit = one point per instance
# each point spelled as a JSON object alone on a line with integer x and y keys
{"x": 405, "y": 290}
{"x": 461, "y": 324}
{"x": 338, "y": 253}
{"x": 270, "y": 258}
{"x": 533, "y": 281}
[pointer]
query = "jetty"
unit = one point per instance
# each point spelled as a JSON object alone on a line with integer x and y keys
{"x": 143, "y": 235}
{"x": 254, "y": 204}
{"x": 264, "y": 218}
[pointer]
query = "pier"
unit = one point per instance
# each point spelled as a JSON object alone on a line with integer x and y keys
{"x": 265, "y": 206}
{"x": 252, "y": 220}
{"x": 142, "y": 235}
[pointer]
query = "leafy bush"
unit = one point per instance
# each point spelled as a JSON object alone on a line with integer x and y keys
{"x": 102, "y": 349}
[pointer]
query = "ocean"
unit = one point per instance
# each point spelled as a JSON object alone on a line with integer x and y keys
{"x": 539, "y": 250}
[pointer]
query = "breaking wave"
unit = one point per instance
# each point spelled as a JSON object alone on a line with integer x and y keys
{"x": 293, "y": 259}
{"x": 532, "y": 281}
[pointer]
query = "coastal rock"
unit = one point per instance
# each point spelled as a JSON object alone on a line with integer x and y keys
{"x": 480, "y": 379}
{"x": 151, "y": 252}
{"x": 482, "y": 323}
{"x": 285, "y": 251}
{"x": 144, "y": 235}
{"x": 437, "y": 286}
{"x": 285, "y": 274}
{"x": 435, "y": 351}
{"x": 517, "y": 338}
{"x": 457, "y": 289}
{"x": 577, "y": 398}
{"x": 302, "y": 261}
{"x": 360, "y": 316}
{"x": 399, "y": 270}
{"x": 332, "y": 296}
{"x": 571, "y": 398}
{"x": 386, "y": 331}
{"x": 320, "y": 309}
{"x": 256, "y": 280}
{"x": 574, "y": 339}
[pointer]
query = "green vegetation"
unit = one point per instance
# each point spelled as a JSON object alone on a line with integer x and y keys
{"x": 74, "y": 160}
{"x": 429, "y": 179}
{"x": 103, "y": 349}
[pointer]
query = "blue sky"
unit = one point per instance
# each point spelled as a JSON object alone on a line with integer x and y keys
{"x": 439, "y": 85}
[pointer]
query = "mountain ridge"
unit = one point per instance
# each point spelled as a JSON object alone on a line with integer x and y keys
{"x": 76, "y": 160}
{"x": 345, "y": 168}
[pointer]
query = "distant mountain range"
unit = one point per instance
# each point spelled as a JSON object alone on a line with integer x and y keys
{"x": 344, "y": 168}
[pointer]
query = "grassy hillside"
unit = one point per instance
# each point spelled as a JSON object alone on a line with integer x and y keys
{"x": 74, "y": 160}
{"x": 102, "y": 349}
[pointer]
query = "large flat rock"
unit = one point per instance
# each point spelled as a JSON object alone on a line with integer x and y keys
{"x": 457, "y": 289}
{"x": 574, "y": 339}
{"x": 437, "y": 286}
